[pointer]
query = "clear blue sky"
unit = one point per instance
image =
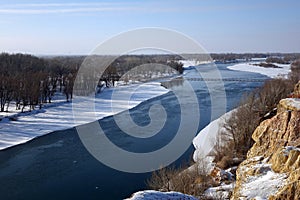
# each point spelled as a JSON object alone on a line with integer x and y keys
{"x": 78, "y": 26}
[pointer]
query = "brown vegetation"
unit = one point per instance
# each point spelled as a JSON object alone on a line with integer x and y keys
{"x": 278, "y": 60}
{"x": 193, "y": 181}
{"x": 295, "y": 71}
{"x": 255, "y": 107}
{"x": 267, "y": 65}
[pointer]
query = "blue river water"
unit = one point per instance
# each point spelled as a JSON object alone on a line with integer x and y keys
{"x": 58, "y": 166}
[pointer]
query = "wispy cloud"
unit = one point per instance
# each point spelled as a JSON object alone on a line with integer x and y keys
{"x": 86, "y": 4}
{"x": 55, "y": 8}
{"x": 154, "y": 6}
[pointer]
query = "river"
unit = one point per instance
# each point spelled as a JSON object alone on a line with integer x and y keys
{"x": 58, "y": 166}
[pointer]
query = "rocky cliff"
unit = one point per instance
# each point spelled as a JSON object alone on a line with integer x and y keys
{"x": 272, "y": 168}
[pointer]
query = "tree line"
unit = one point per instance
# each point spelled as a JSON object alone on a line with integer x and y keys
{"x": 29, "y": 81}
{"x": 32, "y": 81}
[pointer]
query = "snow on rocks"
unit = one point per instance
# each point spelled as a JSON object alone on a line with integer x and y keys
{"x": 257, "y": 180}
{"x": 219, "y": 192}
{"x": 261, "y": 187}
{"x": 288, "y": 104}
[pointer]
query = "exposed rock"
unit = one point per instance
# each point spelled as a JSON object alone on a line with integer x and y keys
{"x": 296, "y": 93}
{"x": 288, "y": 104}
{"x": 221, "y": 176}
{"x": 272, "y": 167}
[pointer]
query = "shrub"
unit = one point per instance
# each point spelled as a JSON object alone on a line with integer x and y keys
{"x": 193, "y": 180}
{"x": 161, "y": 179}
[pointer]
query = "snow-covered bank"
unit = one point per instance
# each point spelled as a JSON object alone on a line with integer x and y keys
{"x": 283, "y": 71}
{"x": 152, "y": 194}
{"x": 205, "y": 141}
{"x": 59, "y": 116}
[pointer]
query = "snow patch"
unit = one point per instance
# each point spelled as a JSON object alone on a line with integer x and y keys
{"x": 152, "y": 194}
{"x": 220, "y": 192}
{"x": 288, "y": 149}
{"x": 261, "y": 187}
{"x": 294, "y": 102}
{"x": 263, "y": 184}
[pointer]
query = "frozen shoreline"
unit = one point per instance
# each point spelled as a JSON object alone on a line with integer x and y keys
{"x": 206, "y": 139}
{"x": 59, "y": 115}
{"x": 270, "y": 72}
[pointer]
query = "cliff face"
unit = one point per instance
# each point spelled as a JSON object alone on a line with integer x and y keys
{"x": 272, "y": 167}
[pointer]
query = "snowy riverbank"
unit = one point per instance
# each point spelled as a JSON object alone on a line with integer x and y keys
{"x": 59, "y": 115}
{"x": 205, "y": 140}
{"x": 152, "y": 194}
{"x": 282, "y": 71}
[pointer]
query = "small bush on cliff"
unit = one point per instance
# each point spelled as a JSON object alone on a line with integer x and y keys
{"x": 268, "y": 96}
{"x": 240, "y": 126}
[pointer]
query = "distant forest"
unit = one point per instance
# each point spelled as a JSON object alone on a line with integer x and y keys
{"x": 29, "y": 81}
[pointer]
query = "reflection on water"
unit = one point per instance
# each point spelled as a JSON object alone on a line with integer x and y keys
{"x": 173, "y": 83}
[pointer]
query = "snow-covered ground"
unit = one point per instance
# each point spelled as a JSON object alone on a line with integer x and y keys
{"x": 58, "y": 115}
{"x": 271, "y": 72}
{"x": 152, "y": 195}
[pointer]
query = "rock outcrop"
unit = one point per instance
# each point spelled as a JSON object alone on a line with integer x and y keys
{"x": 272, "y": 168}
{"x": 296, "y": 92}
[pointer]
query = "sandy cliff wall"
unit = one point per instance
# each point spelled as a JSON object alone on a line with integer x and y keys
{"x": 272, "y": 167}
